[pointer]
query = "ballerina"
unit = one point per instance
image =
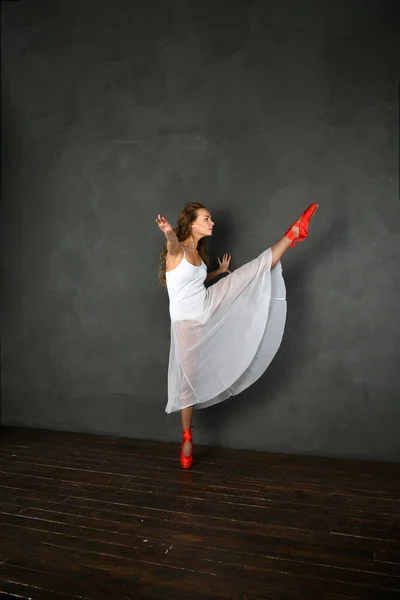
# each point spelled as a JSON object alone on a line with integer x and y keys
{"x": 222, "y": 337}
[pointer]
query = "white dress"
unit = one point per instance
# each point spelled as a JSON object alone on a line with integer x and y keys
{"x": 224, "y": 337}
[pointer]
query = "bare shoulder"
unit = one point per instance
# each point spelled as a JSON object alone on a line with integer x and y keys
{"x": 174, "y": 256}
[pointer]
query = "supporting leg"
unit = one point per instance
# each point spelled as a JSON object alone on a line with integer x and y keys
{"x": 187, "y": 417}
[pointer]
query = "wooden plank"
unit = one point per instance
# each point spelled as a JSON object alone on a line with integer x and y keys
{"x": 217, "y": 578}
{"x": 202, "y": 530}
{"x": 104, "y": 509}
{"x": 304, "y": 471}
{"x": 11, "y": 589}
{"x": 348, "y": 522}
{"x": 52, "y": 579}
{"x": 141, "y": 506}
{"x": 303, "y": 550}
{"x": 78, "y": 507}
{"x": 108, "y": 479}
{"x": 368, "y": 470}
{"x": 283, "y": 492}
{"x": 390, "y": 557}
{"x": 177, "y": 555}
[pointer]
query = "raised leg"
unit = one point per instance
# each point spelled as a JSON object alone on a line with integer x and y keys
{"x": 297, "y": 233}
{"x": 279, "y": 249}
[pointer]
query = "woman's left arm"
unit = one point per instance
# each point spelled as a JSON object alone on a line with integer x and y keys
{"x": 223, "y": 267}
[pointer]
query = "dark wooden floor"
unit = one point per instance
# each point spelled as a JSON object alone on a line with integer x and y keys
{"x": 102, "y": 518}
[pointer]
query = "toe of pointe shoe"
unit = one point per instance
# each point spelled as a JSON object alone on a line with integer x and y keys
{"x": 302, "y": 223}
{"x": 309, "y": 212}
{"x": 186, "y": 461}
{"x": 305, "y": 220}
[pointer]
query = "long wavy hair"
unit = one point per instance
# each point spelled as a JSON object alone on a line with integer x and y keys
{"x": 183, "y": 231}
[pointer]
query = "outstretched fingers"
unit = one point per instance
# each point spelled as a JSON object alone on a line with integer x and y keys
{"x": 163, "y": 224}
{"x": 225, "y": 262}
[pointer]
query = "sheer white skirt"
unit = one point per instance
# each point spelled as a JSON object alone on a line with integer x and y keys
{"x": 229, "y": 346}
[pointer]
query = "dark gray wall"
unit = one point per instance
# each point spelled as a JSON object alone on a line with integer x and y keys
{"x": 115, "y": 111}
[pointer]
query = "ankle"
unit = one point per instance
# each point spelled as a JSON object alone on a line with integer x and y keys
{"x": 187, "y": 435}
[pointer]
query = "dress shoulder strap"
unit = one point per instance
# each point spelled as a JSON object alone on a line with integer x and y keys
{"x": 184, "y": 251}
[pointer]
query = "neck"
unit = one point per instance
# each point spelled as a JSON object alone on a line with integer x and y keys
{"x": 191, "y": 243}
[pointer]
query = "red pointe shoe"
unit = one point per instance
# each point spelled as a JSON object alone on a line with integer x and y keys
{"x": 186, "y": 461}
{"x": 302, "y": 224}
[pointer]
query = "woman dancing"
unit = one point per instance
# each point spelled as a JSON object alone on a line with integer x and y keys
{"x": 224, "y": 337}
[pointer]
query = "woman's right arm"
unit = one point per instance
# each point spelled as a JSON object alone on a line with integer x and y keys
{"x": 173, "y": 245}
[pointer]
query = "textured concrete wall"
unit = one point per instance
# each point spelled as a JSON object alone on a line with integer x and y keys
{"x": 115, "y": 111}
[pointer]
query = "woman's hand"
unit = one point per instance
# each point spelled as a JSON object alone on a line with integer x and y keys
{"x": 224, "y": 263}
{"x": 173, "y": 246}
{"x": 163, "y": 225}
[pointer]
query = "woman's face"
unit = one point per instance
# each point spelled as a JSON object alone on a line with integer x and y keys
{"x": 203, "y": 225}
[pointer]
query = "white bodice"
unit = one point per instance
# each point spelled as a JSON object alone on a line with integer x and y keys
{"x": 185, "y": 285}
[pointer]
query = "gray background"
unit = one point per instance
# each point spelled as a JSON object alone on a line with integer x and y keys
{"x": 115, "y": 111}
